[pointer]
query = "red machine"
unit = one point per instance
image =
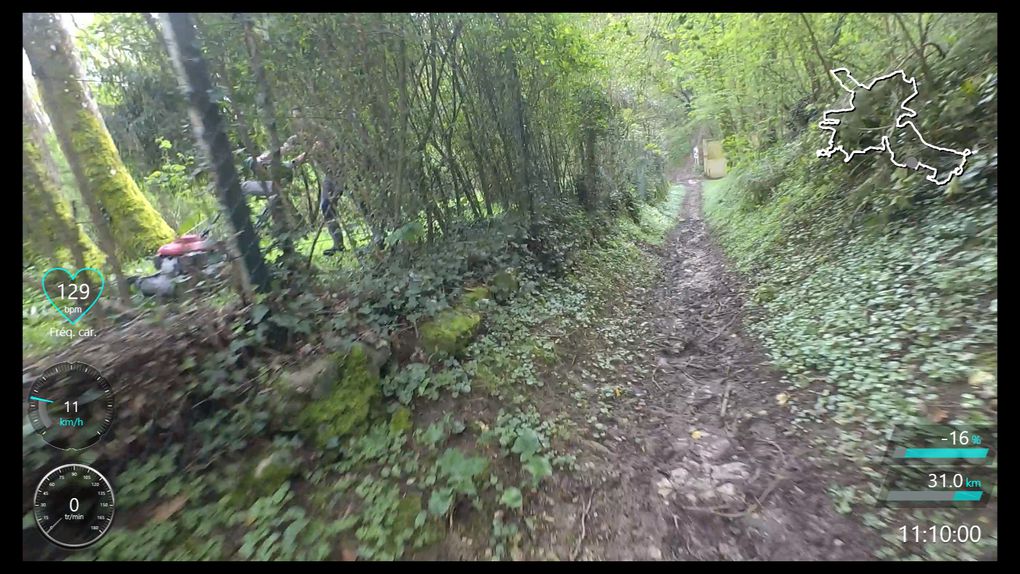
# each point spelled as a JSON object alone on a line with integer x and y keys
{"x": 186, "y": 254}
{"x": 184, "y": 245}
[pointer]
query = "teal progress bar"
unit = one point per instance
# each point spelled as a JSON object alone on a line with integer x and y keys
{"x": 934, "y": 495}
{"x": 942, "y": 453}
{"x": 974, "y": 495}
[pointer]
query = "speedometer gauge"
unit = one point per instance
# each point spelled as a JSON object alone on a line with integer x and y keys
{"x": 71, "y": 406}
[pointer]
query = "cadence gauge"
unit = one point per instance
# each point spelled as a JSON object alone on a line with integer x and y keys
{"x": 74, "y": 505}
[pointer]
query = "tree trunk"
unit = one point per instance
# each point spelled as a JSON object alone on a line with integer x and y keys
{"x": 207, "y": 125}
{"x": 589, "y": 199}
{"x": 281, "y": 209}
{"x": 404, "y": 116}
{"x": 918, "y": 47}
{"x": 48, "y": 224}
{"x": 523, "y": 136}
{"x": 137, "y": 229}
{"x": 222, "y": 67}
{"x": 157, "y": 35}
{"x": 818, "y": 52}
{"x": 126, "y": 223}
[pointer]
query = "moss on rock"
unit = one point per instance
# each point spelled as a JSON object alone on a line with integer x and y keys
{"x": 318, "y": 378}
{"x": 476, "y": 294}
{"x": 271, "y": 472}
{"x": 400, "y": 422}
{"x": 407, "y": 512}
{"x": 261, "y": 476}
{"x": 346, "y": 407}
{"x": 504, "y": 285}
{"x": 763, "y": 294}
{"x": 450, "y": 331}
{"x": 297, "y": 388}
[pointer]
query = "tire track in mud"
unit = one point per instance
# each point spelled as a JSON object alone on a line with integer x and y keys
{"x": 706, "y": 464}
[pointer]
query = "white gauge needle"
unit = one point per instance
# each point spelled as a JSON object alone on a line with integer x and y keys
{"x": 54, "y": 525}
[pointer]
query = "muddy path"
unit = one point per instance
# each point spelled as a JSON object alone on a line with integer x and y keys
{"x": 699, "y": 459}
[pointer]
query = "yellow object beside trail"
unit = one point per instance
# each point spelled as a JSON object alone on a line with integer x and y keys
{"x": 715, "y": 161}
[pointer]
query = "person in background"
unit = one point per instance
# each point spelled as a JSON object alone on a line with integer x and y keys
{"x": 263, "y": 184}
{"x": 330, "y": 190}
{"x": 329, "y": 195}
{"x": 261, "y": 169}
{"x": 324, "y": 157}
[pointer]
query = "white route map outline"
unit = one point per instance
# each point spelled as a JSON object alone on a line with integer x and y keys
{"x": 902, "y": 121}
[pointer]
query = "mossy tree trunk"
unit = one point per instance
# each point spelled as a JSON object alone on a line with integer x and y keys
{"x": 135, "y": 229}
{"x": 50, "y": 230}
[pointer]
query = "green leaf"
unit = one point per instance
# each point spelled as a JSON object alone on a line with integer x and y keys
{"x": 454, "y": 464}
{"x": 259, "y": 313}
{"x": 285, "y": 321}
{"x": 346, "y": 523}
{"x": 433, "y": 434}
{"x": 527, "y": 444}
{"x": 440, "y": 501}
{"x": 281, "y": 492}
{"x": 512, "y": 498}
{"x": 539, "y": 467}
{"x": 290, "y": 534}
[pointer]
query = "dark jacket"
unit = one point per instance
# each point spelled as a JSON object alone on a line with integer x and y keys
{"x": 328, "y": 196}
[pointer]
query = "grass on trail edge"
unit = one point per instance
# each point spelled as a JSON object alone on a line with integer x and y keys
{"x": 872, "y": 326}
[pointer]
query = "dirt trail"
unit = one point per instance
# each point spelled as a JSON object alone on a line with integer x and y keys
{"x": 745, "y": 485}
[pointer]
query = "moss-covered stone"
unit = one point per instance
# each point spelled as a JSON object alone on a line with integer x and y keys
{"x": 346, "y": 407}
{"x": 503, "y": 285}
{"x": 450, "y": 331}
{"x": 407, "y": 512}
{"x": 400, "y": 422}
{"x": 319, "y": 378}
{"x": 261, "y": 476}
{"x": 271, "y": 472}
{"x": 505, "y": 281}
{"x": 296, "y": 388}
{"x": 476, "y": 294}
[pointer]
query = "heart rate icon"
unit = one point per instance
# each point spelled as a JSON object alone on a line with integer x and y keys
{"x": 76, "y": 297}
